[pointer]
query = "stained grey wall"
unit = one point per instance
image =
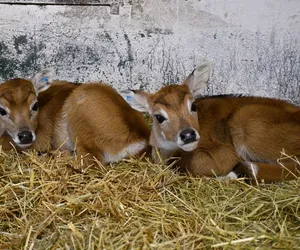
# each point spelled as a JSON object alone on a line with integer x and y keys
{"x": 254, "y": 46}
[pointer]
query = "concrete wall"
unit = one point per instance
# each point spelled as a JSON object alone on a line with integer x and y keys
{"x": 254, "y": 46}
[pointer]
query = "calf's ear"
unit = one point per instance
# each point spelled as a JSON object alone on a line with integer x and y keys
{"x": 137, "y": 99}
{"x": 43, "y": 79}
{"x": 198, "y": 79}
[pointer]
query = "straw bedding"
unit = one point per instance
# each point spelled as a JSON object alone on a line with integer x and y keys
{"x": 51, "y": 202}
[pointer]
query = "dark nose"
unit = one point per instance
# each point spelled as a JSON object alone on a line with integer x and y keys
{"x": 25, "y": 136}
{"x": 188, "y": 135}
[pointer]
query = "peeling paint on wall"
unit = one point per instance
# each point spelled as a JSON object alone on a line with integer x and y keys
{"x": 151, "y": 43}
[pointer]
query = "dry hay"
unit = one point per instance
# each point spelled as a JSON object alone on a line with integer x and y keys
{"x": 48, "y": 202}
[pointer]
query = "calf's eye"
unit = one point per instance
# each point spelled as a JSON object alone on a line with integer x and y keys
{"x": 3, "y": 112}
{"x": 194, "y": 107}
{"x": 35, "y": 107}
{"x": 160, "y": 118}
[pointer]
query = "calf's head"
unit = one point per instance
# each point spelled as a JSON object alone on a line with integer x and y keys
{"x": 175, "y": 118}
{"x": 19, "y": 107}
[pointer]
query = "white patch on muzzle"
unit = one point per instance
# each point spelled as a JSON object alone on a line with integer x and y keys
{"x": 188, "y": 147}
{"x": 17, "y": 141}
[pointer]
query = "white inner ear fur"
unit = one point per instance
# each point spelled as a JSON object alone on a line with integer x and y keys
{"x": 198, "y": 79}
{"x": 43, "y": 79}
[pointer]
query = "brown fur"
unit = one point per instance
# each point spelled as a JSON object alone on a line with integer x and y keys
{"x": 92, "y": 119}
{"x": 173, "y": 99}
{"x": 264, "y": 127}
{"x": 261, "y": 126}
{"x": 51, "y": 102}
{"x": 101, "y": 122}
{"x": 17, "y": 95}
{"x": 231, "y": 131}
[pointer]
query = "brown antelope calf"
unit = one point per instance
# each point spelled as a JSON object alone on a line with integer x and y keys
{"x": 91, "y": 119}
{"x": 19, "y": 109}
{"x": 215, "y": 135}
{"x": 97, "y": 122}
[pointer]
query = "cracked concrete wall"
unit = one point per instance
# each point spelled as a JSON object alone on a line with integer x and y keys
{"x": 254, "y": 46}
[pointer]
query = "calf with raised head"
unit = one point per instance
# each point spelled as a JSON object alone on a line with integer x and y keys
{"x": 19, "y": 109}
{"x": 216, "y": 135}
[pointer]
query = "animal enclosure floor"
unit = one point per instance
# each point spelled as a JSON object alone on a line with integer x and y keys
{"x": 50, "y": 202}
